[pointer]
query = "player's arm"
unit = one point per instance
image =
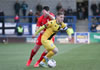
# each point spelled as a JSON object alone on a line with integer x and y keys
{"x": 38, "y": 31}
{"x": 51, "y": 16}
{"x": 42, "y": 28}
{"x": 68, "y": 31}
{"x": 36, "y": 28}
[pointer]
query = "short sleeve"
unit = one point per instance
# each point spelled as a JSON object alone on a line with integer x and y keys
{"x": 52, "y": 14}
{"x": 63, "y": 25}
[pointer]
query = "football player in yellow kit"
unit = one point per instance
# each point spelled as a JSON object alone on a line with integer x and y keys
{"x": 52, "y": 27}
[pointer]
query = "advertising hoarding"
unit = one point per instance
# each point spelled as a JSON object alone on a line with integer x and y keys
{"x": 94, "y": 37}
{"x": 81, "y": 37}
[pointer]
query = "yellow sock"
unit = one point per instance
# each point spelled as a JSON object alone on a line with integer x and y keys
{"x": 49, "y": 55}
{"x": 43, "y": 60}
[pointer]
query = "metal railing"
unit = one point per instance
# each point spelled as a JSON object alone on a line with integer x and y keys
{"x": 93, "y": 20}
{"x": 25, "y": 18}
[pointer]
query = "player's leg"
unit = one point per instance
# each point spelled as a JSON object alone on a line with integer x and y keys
{"x": 52, "y": 50}
{"x": 34, "y": 50}
{"x": 50, "y": 54}
{"x": 41, "y": 57}
{"x": 46, "y": 58}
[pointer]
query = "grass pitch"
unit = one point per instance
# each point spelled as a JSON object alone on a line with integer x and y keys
{"x": 70, "y": 57}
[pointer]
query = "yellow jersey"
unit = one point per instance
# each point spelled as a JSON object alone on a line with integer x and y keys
{"x": 52, "y": 27}
{"x": 70, "y": 31}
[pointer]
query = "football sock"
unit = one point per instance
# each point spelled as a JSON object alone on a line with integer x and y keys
{"x": 43, "y": 54}
{"x": 32, "y": 54}
{"x": 49, "y": 55}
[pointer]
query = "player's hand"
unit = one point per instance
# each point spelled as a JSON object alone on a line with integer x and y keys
{"x": 42, "y": 32}
{"x": 33, "y": 36}
{"x": 45, "y": 12}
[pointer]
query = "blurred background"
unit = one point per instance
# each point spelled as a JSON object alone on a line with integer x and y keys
{"x": 82, "y": 50}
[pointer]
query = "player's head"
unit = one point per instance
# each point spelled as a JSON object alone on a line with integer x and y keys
{"x": 60, "y": 17}
{"x": 46, "y": 8}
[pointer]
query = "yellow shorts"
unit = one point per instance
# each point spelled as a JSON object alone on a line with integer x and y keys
{"x": 48, "y": 44}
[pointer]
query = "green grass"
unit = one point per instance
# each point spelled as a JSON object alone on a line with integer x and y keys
{"x": 70, "y": 57}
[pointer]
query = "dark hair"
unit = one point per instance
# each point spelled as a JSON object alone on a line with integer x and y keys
{"x": 46, "y": 8}
{"x": 60, "y": 13}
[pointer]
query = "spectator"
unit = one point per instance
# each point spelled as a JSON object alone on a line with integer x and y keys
{"x": 98, "y": 28}
{"x": 2, "y": 20}
{"x": 59, "y": 6}
{"x": 17, "y": 7}
{"x": 94, "y": 20}
{"x": 24, "y": 7}
{"x": 69, "y": 13}
{"x": 85, "y": 10}
{"x": 99, "y": 6}
{"x": 97, "y": 14}
{"x": 2, "y": 16}
{"x": 79, "y": 11}
{"x": 70, "y": 32}
{"x": 16, "y": 19}
{"x": 30, "y": 14}
{"x": 93, "y": 28}
{"x": 65, "y": 18}
{"x": 74, "y": 12}
{"x": 19, "y": 30}
{"x": 62, "y": 10}
{"x": 37, "y": 14}
{"x": 39, "y": 7}
{"x": 94, "y": 8}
